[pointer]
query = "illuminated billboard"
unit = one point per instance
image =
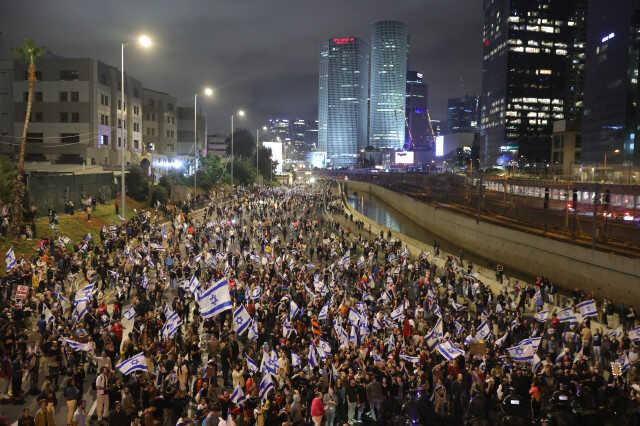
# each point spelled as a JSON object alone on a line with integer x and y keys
{"x": 439, "y": 146}
{"x": 404, "y": 157}
{"x": 276, "y": 154}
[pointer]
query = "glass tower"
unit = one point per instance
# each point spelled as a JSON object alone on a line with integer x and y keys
{"x": 389, "y": 50}
{"x": 323, "y": 100}
{"x": 346, "y": 90}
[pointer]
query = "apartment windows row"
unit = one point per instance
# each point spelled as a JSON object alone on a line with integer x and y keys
{"x": 62, "y": 97}
{"x": 69, "y": 117}
{"x": 104, "y": 100}
{"x": 38, "y": 137}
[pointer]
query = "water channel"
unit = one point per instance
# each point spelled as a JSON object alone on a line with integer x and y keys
{"x": 376, "y": 209}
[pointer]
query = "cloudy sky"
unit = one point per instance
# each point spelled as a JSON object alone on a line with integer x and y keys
{"x": 260, "y": 55}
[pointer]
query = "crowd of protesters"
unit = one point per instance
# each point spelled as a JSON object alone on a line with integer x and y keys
{"x": 326, "y": 326}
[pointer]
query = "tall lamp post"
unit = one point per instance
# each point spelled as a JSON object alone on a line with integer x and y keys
{"x": 240, "y": 114}
{"x": 264, "y": 129}
{"x": 615, "y": 151}
{"x": 208, "y": 92}
{"x": 145, "y": 42}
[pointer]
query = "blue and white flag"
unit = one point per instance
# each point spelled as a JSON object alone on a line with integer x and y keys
{"x": 79, "y": 311}
{"x": 501, "y": 340}
{"x": 77, "y": 346}
{"x": 144, "y": 283}
{"x": 588, "y": 309}
{"x": 323, "y": 313}
{"x": 411, "y": 359}
{"x": 541, "y": 316}
{"x": 194, "y": 285}
{"x": 48, "y": 315}
{"x": 398, "y": 313}
{"x": 266, "y": 385}
{"x": 294, "y": 310}
{"x": 267, "y": 365}
{"x": 615, "y": 333}
{"x": 353, "y": 336}
{"x": 287, "y": 329}
{"x": 344, "y": 261}
{"x": 634, "y": 334}
{"x": 313, "y": 357}
{"x": 625, "y": 364}
{"x": 295, "y": 360}
{"x": 85, "y": 293}
{"x": 129, "y": 313}
{"x": 483, "y": 332}
{"x": 241, "y": 320}
{"x": 237, "y": 396}
{"x": 253, "y": 331}
{"x": 252, "y": 367}
{"x": 567, "y": 315}
{"x": 215, "y": 300}
{"x": 354, "y": 317}
{"x": 459, "y": 327}
{"x": 524, "y": 351}
{"x": 135, "y": 363}
{"x": 448, "y": 351}
{"x": 163, "y": 231}
{"x": 561, "y": 355}
{"x": 171, "y": 326}
{"x": 386, "y": 297}
{"x": 324, "y": 349}
{"x": 456, "y": 306}
{"x": 436, "y": 311}
{"x": 536, "y": 363}
{"x": 256, "y": 292}
{"x": 10, "y": 259}
{"x": 390, "y": 342}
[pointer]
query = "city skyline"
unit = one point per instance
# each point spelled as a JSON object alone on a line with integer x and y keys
{"x": 252, "y": 70}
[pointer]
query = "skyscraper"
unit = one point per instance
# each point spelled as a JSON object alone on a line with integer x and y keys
{"x": 416, "y": 110}
{"x": 323, "y": 97}
{"x": 524, "y": 76}
{"x": 347, "y": 79}
{"x": 389, "y": 51}
{"x": 462, "y": 114}
{"x": 611, "y": 97}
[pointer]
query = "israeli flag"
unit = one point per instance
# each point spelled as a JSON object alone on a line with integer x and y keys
{"x": 287, "y": 330}
{"x": 436, "y": 311}
{"x": 634, "y": 334}
{"x": 459, "y": 327}
{"x": 524, "y": 351}
{"x": 386, "y": 297}
{"x": 145, "y": 282}
{"x": 541, "y": 316}
{"x": 163, "y": 231}
{"x": 241, "y": 320}
{"x": 215, "y": 300}
{"x": 411, "y": 359}
{"x": 194, "y": 284}
{"x": 456, "y": 306}
{"x": 483, "y": 332}
{"x": 344, "y": 261}
{"x": 448, "y": 351}
{"x": 135, "y": 363}
{"x": 266, "y": 385}
{"x": 256, "y": 293}
{"x": 79, "y": 311}
{"x": 294, "y": 310}
{"x": 252, "y": 367}
{"x": 536, "y": 363}
{"x": 323, "y": 313}
{"x": 354, "y": 317}
{"x": 171, "y": 326}
{"x": 353, "y": 336}
{"x": 615, "y": 333}
{"x": 561, "y": 355}
{"x": 266, "y": 366}
{"x": 324, "y": 349}
{"x": 129, "y": 313}
{"x": 10, "y": 259}
{"x": 624, "y": 362}
{"x": 77, "y": 346}
{"x": 390, "y": 342}
{"x": 398, "y": 313}
{"x": 295, "y": 360}
{"x": 313, "y": 357}
{"x": 86, "y": 292}
{"x": 253, "y": 331}
{"x": 48, "y": 315}
{"x": 588, "y": 309}
{"x": 501, "y": 340}
{"x": 567, "y": 315}
{"x": 237, "y": 397}
{"x": 377, "y": 325}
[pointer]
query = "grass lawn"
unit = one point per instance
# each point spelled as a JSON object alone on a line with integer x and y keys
{"x": 73, "y": 226}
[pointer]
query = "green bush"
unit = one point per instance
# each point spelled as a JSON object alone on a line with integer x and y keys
{"x": 159, "y": 194}
{"x": 137, "y": 184}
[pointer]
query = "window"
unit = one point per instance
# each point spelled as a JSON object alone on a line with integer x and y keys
{"x": 38, "y": 117}
{"x": 104, "y": 140}
{"x": 75, "y": 96}
{"x": 170, "y": 147}
{"x": 119, "y": 123}
{"x": 104, "y": 119}
{"x": 104, "y": 79}
{"x": 64, "y": 117}
{"x": 38, "y": 96}
{"x": 104, "y": 100}
{"x": 64, "y": 97}
{"x": 136, "y": 110}
{"x": 136, "y": 127}
{"x": 119, "y": 141}
{"x": 35, "y": 137}
{"x": 169, "y": 120}
{"x": 70, "y": 137}
{"x": 69, "y": 75}
{"x": 136, "y": 144}
{"x": 168, "y": 133}
{"x": 75, "y": 117}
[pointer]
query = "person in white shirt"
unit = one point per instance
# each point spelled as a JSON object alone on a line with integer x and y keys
{"x": 102, "y": 394}
{"x": 80, "y": 415}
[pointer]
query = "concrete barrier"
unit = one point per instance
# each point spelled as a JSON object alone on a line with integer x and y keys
{"x": 569, "y": 266}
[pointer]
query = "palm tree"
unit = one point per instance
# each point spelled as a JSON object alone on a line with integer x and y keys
{"x": 28, "y": 53}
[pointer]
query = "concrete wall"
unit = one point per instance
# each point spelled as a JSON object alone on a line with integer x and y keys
{"x": 567, "y": 265}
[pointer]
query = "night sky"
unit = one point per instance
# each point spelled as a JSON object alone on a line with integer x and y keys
{"x": 259, "y": 55}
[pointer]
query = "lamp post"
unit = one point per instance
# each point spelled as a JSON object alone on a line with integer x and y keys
{"x": 240, "y": 114}
{"x": 145, "y": 42}
{"x": 615, "y": 151}
{"x": 208, "y": 91}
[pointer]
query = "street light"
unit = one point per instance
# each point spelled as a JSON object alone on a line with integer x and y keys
{"x": 208, "y": 92}
{"x": 615, "y": 151}
{"x": 145, "y": 42}
{"x": 264, "y": 129}
{"x": 240, "y": 114}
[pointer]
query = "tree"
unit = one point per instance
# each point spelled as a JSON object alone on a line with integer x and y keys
{"x": 28, "y": 53}
{"x": 244, "y": 172}
{"x": 211, "y": 172}
{"x": 159, "y": 194}
{"x": 7, "y": 177}
{"x": 244, "y": 144}
{"x": 137, "y": 184}
{"x": 266, "y": 166}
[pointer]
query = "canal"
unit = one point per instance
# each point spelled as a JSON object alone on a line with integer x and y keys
{"x": 376, "y": 209}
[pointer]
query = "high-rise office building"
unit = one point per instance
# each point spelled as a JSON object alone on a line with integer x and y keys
{"x": 347, "y": 79}
{"x": 462, "y": 114}
{"x": 323, "y": 97}
{"x": 159, "y": 124}
{"x": 389, "y": 51}
{"x": 524, "y": 76}
{"x": 185, "y": 132}
{"x": 611, "y": 121}
{"x": 416, "y": 110}
{"x": 6, "y": 97}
